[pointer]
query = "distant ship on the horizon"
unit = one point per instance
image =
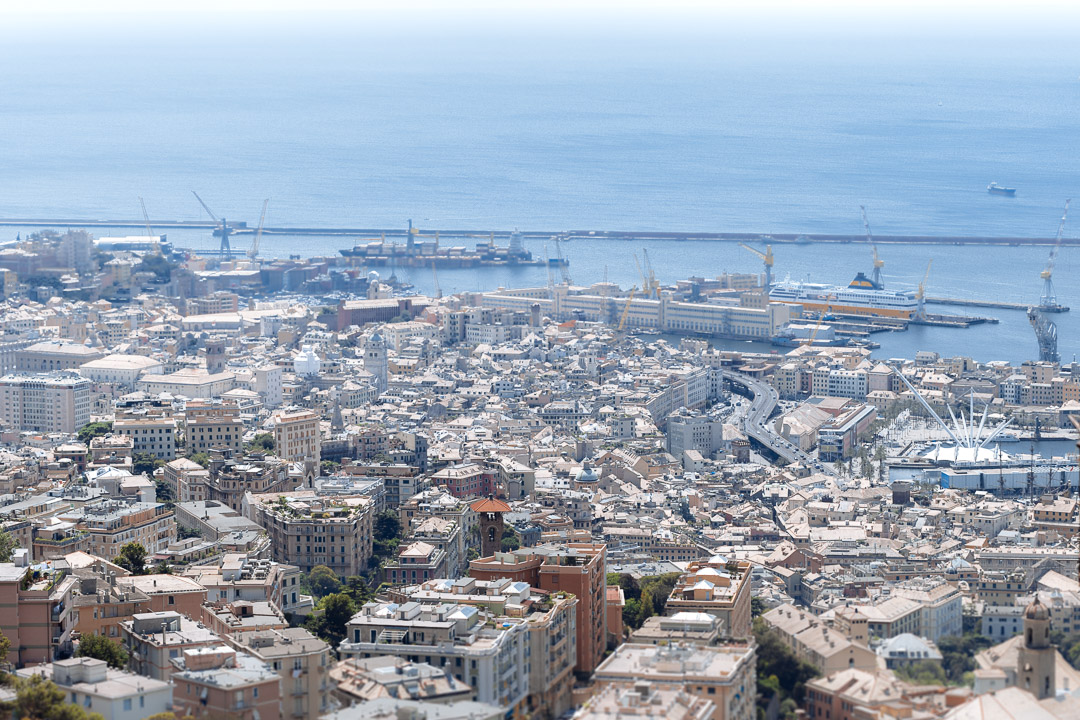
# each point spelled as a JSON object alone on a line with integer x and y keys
{"x": 995, "y": 189}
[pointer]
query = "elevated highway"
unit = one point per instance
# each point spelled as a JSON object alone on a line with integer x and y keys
{"x": 763, "y": 402}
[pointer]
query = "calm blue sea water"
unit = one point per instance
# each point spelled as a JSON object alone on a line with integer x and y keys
{"x": 688, "y": 129}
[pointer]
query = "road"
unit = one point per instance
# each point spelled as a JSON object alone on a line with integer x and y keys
{"x": 756, "y": 425}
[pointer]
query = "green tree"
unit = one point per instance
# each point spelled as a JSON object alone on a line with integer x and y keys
{"x": 145, "y": 463}
{"x": 358, "y": 590}
{"x": 323, "y": 581}
{"x": 165, "y": 493}
{"x": 261, "y": 443}
{"x": 757, "y": 606}
{"x": 778, "y": 670}
{"x": 958, "y": 655}
{"x": 387, "y": 536}
{"x": 924, "y": 672}
{"x": 329, "y": 467}
{"x": 39, "y": 699}
{"x": 200, "y": 458}
{"x": 331, "y": 616}
{"x": 8, "y": 544}
{"x": 5, "y": 647}
{"x": 163, "y": 568}
{"x": 387, "y": 525}
{"x": 132, "y": 558}
{"x": 89, "y": 431}
{"x": 103, "y": 648}
{"x": 159, "y": 265}
{"x": 510, "y": 540}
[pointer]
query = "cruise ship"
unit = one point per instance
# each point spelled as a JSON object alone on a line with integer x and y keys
{"x": 861, "y": 297}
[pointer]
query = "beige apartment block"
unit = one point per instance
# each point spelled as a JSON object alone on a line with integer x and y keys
{"x": 301, "y": 661}
{"x": 297, "y": 436}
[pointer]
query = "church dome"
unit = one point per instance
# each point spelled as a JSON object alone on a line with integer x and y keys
{"x": 1036, "y": 611}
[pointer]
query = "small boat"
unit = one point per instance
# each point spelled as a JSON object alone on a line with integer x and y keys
{"x": 995, "y": 189}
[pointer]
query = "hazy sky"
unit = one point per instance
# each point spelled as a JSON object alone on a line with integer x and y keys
{"x": 921, "y": 17}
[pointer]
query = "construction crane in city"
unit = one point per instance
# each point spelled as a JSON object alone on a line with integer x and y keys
{"x": 253, "y": 252}
{"x": 1046, "y": 334}
{"x": 1048, "y": 301}
{"x": 920, "y": 294}
{"x": 626, "y": 308}
{"x": 767, "y": 258}
{"x": 226, "y": 249}
{"x": 878, "y": 262}
{"x": 149, "y": 231}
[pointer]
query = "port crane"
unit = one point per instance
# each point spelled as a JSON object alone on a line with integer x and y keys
{"x": 563, "y": 265}
{"x": 652, "y": 289}
{"x": 435, "y": 276}
{"x": 920, "y": 295}
{"x": 1046, "y": 334}
{"x": 626, "y": 308}
{"x": 878, "y": 262}
{"x": 767, "y": 258}
{"x": 226, "y": 250}
{"x": 1048, "y": 301}
{"x": 254, "y": 251}
{"x": 149, "y": 232}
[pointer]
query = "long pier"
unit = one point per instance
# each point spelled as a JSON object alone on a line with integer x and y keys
{"x": 244, "y": 228}
{"x": 989, "y": 304}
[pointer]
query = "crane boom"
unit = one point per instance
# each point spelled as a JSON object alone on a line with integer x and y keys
{"x": 209, "y": 212}
{"x": 878, "y": 262}
{"x": 767, "y": 258}
{"x": 1049, "y": 295}
{"x": 435, "y": 276}
{"x": 149, "y": 231}
{"x": 254, "y": 251}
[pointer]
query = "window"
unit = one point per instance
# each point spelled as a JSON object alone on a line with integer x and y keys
{"x": 127, "y": 703}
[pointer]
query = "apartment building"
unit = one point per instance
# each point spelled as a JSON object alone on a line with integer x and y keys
{"x": 153, "y": 639}
{"x": 577, "y": 568}
{"x": 38, "y": 618}
{"x": 93, "y": 686}
{"x": 302, "y": 662}
{"x": 812, "y": 640}
{"x": 149, "y": 435}
{"x": 416, "y": 562}
{"x": 467, "y": 480}
{"x": 50, "y": 403}
{"x": 213, "y": 424}
{"x": 297, "y": 436}
{"x": 114, "y": 523}
{"x": 167, "y": 593}
{"x": 446, "y": 535}
{"x": 521, "y": 662}
{"x": 716, "y": 586}
{"x": 307, "y": 529}
{"x": 239, "y": 577}
{"x": 691, "y": 431}
{"x": 724, "y": 675}
{"x": 231, "y": 480}
{"x": 218, "y": 681}
{"x": 188, "y": 480}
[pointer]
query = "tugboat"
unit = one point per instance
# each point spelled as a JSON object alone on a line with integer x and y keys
{"x": 995, "y": 189}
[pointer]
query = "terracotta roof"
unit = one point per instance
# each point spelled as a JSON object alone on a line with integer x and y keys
{"x": 490, "y": 505}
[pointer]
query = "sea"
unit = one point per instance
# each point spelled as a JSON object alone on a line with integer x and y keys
{"x": 714, "y": 127}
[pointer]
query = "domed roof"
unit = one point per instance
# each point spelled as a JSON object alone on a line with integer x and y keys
{"x": 1036, "y": 611}
{"x": 586, "y": 474}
